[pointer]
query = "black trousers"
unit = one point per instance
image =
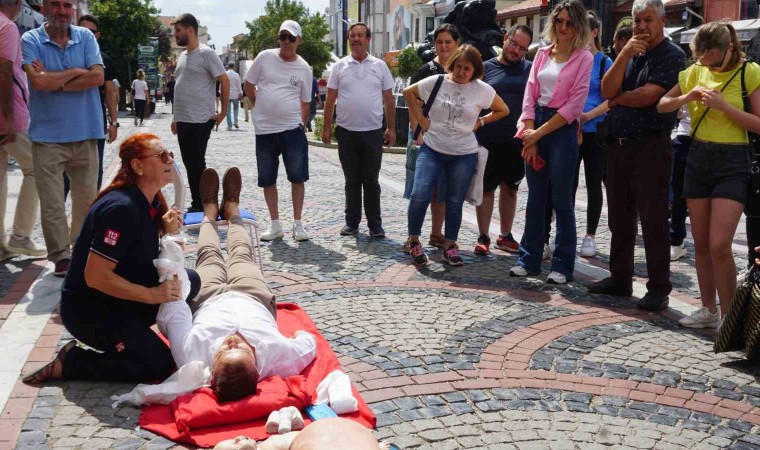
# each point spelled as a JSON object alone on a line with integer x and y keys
{"x": 131, "y": 350}
{"x": 638, "y": 183}
{"x": 140, "y": 109}
{"x": 193, "y": 139}
{"x": 361, "y": 155}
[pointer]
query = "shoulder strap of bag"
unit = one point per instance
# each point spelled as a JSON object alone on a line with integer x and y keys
{"x": 601, "y": 67}
{"x": 21, "y": 88}
{"x": 429, "y": 103}
{"x": 694, "y": 130}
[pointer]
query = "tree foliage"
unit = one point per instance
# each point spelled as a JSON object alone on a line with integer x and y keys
{"x": 164, "y": 40}
{"x": 262, "y": 32}
{"x": 408, "y": 62}
{"x": 124, "y": 24}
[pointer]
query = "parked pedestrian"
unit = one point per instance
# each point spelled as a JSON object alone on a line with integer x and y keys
{"x": 450, "y": 145}
{"x": 446, "y": 38}
{"x": 140, "y": 95}
{"x": 362, "y": 85}
{"x": 553, "y": 103}
{"x": 198, "y": 70}
{"x": 316, "y": 102}
{"x": 508, "y": 75}
{"x": 64, "y": 68}
{"x": 236, "y": 94}
{"x": 169, "y": 91}
{"x": 640, "y": 154}
{"x": 279, "y": 86}
{"x": 622, "y": 36}
{"x": 14, "y": 140}
{"x": 717, "y": 175}
{"x": 111, "y": 295}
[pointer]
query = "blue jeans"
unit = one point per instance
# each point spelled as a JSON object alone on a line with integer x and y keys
{"x": 430, "y": 165}
{"x": 293, "y": 147}
{"x": 560, "y": 151}
{"x": 234, "y": 105}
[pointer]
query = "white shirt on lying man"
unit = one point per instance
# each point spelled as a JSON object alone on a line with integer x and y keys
{"x": 197, "y": 338}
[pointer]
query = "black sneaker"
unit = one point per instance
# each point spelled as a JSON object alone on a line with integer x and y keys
{"x": 418, "y": 254}
{"x": 348, "y": 230}
{"x": 452, "y": 256}
{"x": 653, "y": 302}
{"x": 61, "y": 267}
{"x": 611, "y": 286}
{"x": 376, "y": 231}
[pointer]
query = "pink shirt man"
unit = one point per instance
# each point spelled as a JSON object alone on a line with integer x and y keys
{"x": 571, "y": 90}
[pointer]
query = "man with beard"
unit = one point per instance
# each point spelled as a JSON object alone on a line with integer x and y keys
{"x": 64, "y": 68}
{"x": 198, "y": 70}
{"x": 508, "y": 74}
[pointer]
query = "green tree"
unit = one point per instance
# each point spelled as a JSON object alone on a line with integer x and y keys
{"x": 408, "y": 62}
{"x": 124, "y": 24}
{"x": 164, "y": 41}
{"x": 262, "y": 32}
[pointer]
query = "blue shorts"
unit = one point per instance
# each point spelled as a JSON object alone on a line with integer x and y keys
{"x": 293, "y": 147}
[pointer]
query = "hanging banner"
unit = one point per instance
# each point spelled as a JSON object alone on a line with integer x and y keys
{"x": 399, "y": 25}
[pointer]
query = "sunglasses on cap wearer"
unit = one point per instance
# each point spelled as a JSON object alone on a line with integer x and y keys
{"x": 166, "y": 156}
{"x": 285, "y": 36}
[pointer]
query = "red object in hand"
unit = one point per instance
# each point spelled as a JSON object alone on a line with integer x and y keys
{"x": 538, "y": 163}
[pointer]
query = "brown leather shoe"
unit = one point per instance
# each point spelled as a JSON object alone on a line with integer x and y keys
{"x": 231, "y": 184}
{"x": 209, "y": 187}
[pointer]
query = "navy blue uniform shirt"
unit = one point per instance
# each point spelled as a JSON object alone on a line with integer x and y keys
{"x": 118, "y": 227}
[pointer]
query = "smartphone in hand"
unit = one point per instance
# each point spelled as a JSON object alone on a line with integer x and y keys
{"x": 538, "y": 163}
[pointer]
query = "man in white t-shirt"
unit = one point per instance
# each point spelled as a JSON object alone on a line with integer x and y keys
{"x": 279, "y": 86}
{"x": 236, "y": 94}
{"x": 362, "y": 86}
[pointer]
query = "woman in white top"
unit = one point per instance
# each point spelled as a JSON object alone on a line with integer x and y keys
{"x": 140, "y": 95}
{"x": 449, "y": 144}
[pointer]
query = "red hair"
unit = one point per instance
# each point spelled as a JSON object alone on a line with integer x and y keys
{"x": 135, "y": 146}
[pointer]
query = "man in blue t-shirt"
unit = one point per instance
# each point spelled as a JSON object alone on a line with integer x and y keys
{"x": 508, "y": 75}
{"x": 64, "y": 67}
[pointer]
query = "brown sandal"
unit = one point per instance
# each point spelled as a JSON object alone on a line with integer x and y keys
{"x": 45, "y": 372}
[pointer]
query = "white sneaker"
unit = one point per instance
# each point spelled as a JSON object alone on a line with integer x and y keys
{"x": 701, "y": 318}
{"x": 588, "y": 247}
{"x": 547, "y": 252}
{"x": 556, "y": 278}
{"x": 299, "y": 234}
{"x": 518, "y": 271}
{"x": 25, "y": 246}
{"x": 274, "y": 232}
{"x": 677, "y": 252}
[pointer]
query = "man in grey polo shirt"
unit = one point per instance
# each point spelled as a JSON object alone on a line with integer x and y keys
{"x": 198, "y": 70}
{"x": 362, "y": 85}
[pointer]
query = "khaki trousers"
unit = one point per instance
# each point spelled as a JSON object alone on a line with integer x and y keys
{"x": 80, "y": 161}
{"x": 28, "y": 201}
{"x": 239, "y": 274}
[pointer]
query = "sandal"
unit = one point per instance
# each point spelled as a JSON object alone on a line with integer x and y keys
{"x": 45, "y": 372}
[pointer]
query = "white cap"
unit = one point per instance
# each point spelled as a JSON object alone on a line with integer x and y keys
{"x": 292, "y": 27}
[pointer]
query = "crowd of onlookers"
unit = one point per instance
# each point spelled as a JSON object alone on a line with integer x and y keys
{"x": 475, "y": 127}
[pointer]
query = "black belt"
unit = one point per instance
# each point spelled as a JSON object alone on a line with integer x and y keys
{"x": 639, "y": 138}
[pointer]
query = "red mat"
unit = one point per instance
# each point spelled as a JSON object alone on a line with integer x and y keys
{"x": 199, "y": 420}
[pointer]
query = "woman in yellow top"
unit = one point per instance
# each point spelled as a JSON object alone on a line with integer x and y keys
{"x": 717, "y": 176}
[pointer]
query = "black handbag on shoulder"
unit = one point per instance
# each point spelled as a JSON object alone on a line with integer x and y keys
{"x": 752, "y": 207}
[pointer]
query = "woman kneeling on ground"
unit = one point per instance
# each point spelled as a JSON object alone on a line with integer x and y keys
{"x": 449, "y": 145}
{"x": 111, "y": 294}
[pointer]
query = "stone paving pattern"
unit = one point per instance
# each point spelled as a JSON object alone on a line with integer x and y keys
{"x": 448, "y": 358}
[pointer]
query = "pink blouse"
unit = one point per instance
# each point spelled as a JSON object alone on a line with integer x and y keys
{"x": 570, "y": 93}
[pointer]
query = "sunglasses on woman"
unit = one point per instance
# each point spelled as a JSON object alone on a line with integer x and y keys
{"x": 561, "y": 21}
{"x": 166, "y": 156}
{"x": 289, "y": 37}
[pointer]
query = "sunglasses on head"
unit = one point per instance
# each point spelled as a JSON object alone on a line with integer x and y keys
{"x": 166, "y": 156}
{"x": 289, "y": 37}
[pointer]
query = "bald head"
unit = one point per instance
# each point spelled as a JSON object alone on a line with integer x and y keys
{"x": 335, "y": 434}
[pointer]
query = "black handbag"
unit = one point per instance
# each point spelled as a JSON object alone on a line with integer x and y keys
{"x": 752, "y": 207}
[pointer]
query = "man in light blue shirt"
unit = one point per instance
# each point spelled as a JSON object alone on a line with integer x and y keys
{"x": 64, "y": 67}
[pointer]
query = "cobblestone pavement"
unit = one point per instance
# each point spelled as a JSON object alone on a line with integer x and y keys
{"x": 448, "y": 358}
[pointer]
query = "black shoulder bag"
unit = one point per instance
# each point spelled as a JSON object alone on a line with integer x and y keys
{"x": 752, "y": 207}
{"x": 411, "y": 150}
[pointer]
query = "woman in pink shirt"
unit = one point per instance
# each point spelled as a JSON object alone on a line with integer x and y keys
{"x": 554, "y": 98}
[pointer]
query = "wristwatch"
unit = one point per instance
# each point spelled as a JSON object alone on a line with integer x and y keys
{"x": 116, "y": 124}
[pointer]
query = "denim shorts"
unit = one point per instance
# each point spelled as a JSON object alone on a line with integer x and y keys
{"x": 716, "y": 170}
{"x": 293, "y": 147}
